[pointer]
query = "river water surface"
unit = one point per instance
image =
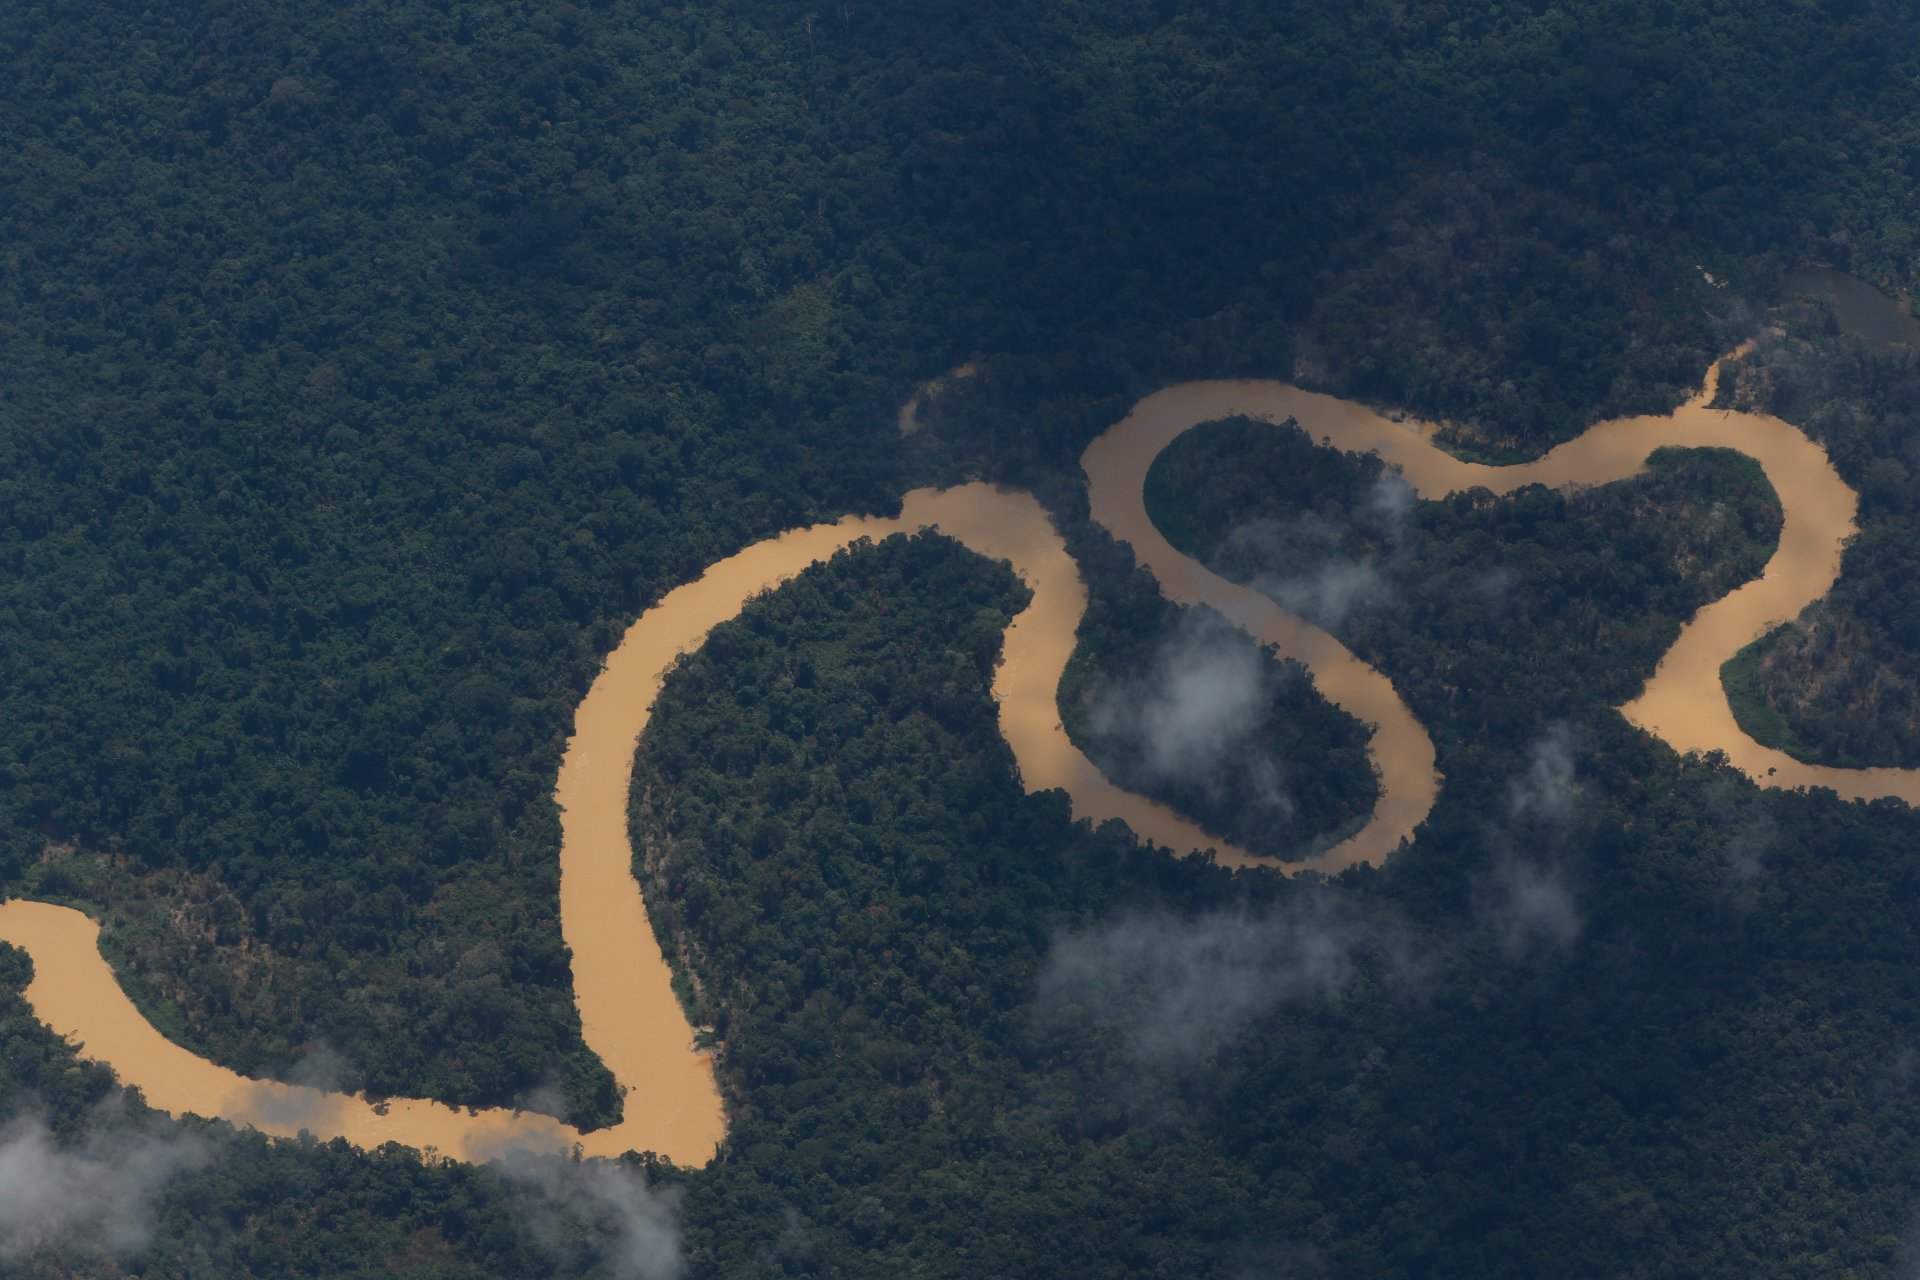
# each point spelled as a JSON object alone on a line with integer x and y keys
{"x": 622, "y": 981}
{"x": 1683, "y": 704}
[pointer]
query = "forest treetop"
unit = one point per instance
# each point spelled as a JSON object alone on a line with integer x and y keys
{"x": 365, "y": 367}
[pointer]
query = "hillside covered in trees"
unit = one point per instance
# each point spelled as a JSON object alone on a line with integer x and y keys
{"x": 365, "y": 369}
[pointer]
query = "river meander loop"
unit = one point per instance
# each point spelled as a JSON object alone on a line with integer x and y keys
{"x": 628, "y": 1012}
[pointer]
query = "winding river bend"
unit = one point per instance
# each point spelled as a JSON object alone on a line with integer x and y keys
{"x": 622, "y": 986}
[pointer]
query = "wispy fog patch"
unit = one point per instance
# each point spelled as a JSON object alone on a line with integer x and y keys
{"x": 94, "y": 1197}
{"x": 1544, "y": 792}
{"x": 794, "y": 1241}
{"x": 292, "y": 1109}
{"x": 321, "y": 1067}
{"x": 1751, "y": 835}
{"x": 1331, "y": 566}
{"x": 596, "y": 1213}
{"x": 1388, "y": 503}
{"x": 1192, "y": 720}
{"x": 1527, "y": 899}
{"x": 1902, "y": 1071}
{"x": 320, "y": 1071}
{"x": 1493, "y": 586}
{"x": 1745, "y": 852}
{"x": 546, "y": 1098}
{"x": 1529, "y": 905}
{"x": 1179, "y": 987}
{"x": 1331, "y": 592}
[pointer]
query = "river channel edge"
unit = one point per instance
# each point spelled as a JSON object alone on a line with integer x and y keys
{"x": 629, "y": 1014}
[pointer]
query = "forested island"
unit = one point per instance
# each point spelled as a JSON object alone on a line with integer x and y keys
{"x": 364, "y": 370}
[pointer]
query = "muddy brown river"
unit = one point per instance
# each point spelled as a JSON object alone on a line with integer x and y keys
{"x": 622, "y": 982}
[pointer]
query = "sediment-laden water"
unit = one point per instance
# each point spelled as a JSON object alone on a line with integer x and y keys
{"x": 628, "y": 1011}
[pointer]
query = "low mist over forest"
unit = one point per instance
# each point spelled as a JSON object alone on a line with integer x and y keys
{"x": 366, "y": 369}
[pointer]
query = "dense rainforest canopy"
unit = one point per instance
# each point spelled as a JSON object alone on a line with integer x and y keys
{"x": 364, "y": 369}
